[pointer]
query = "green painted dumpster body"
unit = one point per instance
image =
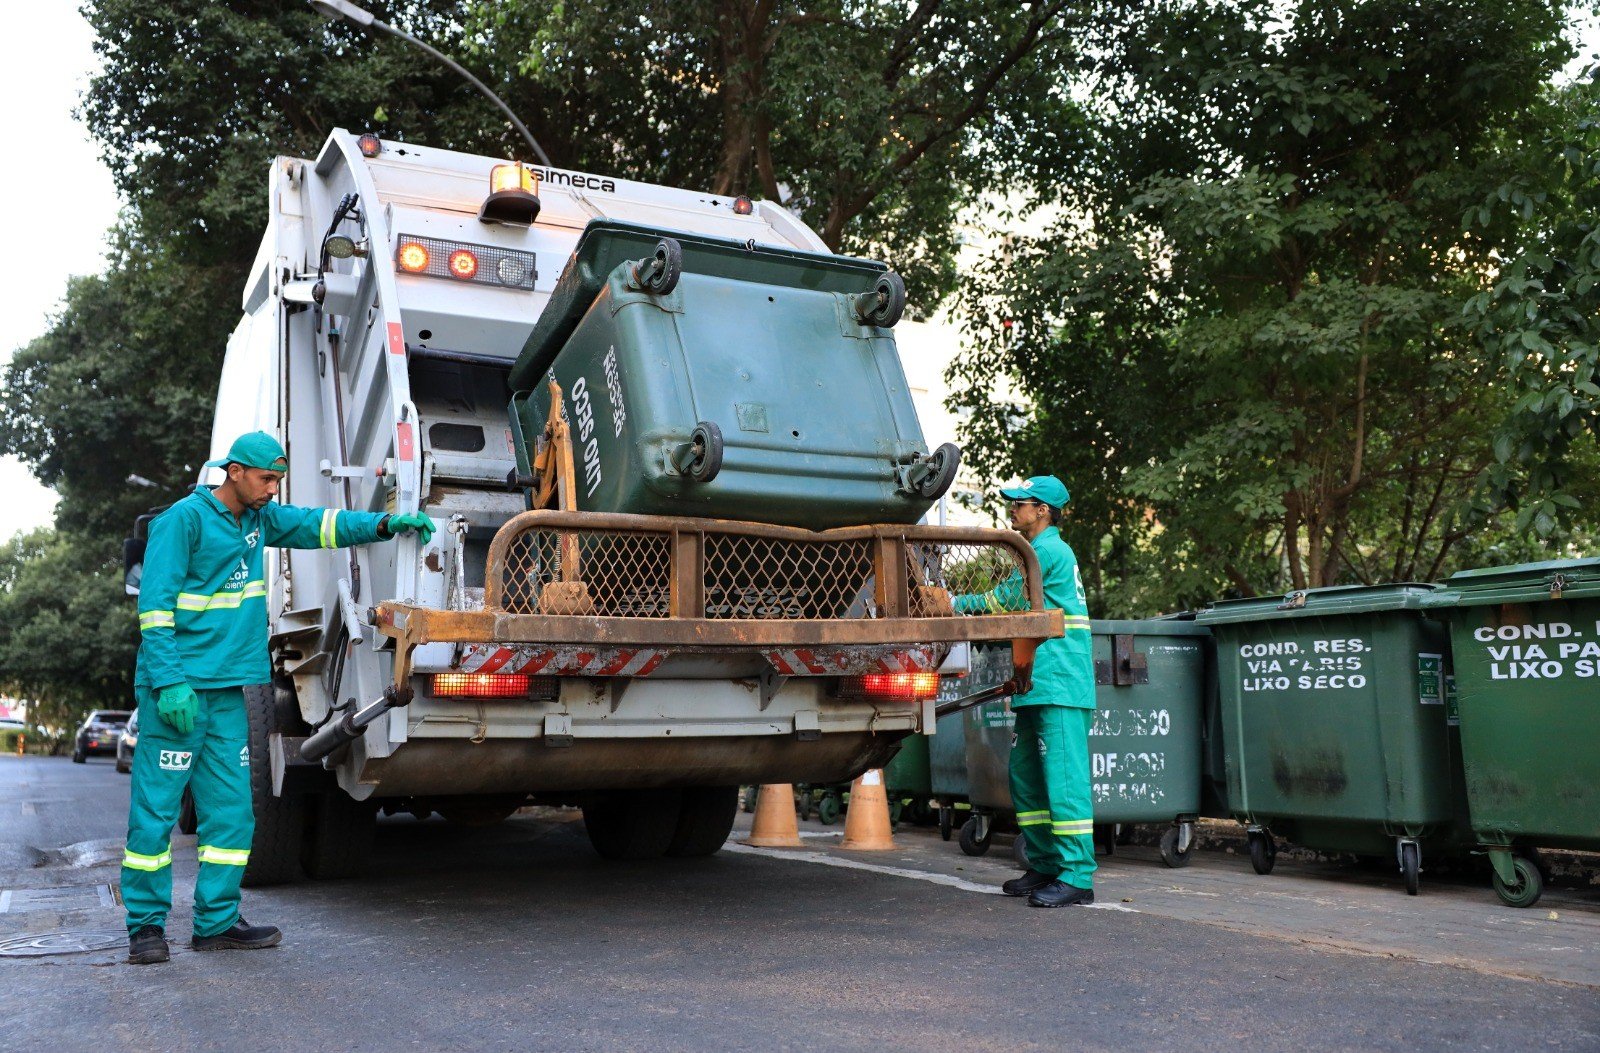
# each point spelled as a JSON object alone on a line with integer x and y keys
{"x": 1334, "y": 720}
{"x": 907, "y": 774}
{"x": 1526, "y": 642}
{"x": 762, "y": 344}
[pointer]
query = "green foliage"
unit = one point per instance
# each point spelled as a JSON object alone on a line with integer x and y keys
{"x": 1245, "y": 323}
{"x": 70, "y": 634}
{"x": 1540, "y": 320}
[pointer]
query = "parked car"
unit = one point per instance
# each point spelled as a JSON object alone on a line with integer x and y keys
{"x": 99, "y": 734}
{"x": 126, "y": 743}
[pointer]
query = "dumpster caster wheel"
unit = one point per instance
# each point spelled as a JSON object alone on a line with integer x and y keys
{"x": 1529, "y": 886}
{"x": 750, "y": 793}
{"x": 1105, "y": 839}
{"x": 1171, "y": 853}
{"x": 971, "y": 843}
{"x": 828, "y": 809}
{"x": 1263, "y": 851}
{"x": 803, "y": 805}
{"x": 883, "y": 306}
{"x": 705, "y": 443}
{"x": 1019, "y": 852}
{"x": 1411, "y": 866}
{"x": 941, "y": 467}
{"x": 660, "y": 273}
{"x": 947, "y": 822}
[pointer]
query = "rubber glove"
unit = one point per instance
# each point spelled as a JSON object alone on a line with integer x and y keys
{"x": 177, "y": 705}
{"x": 412, "y": 521}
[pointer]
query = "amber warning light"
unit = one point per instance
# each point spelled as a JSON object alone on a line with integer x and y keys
{"x": 513, "y": 195}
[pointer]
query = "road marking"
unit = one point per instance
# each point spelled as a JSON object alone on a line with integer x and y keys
{"x": 876, "y": 868}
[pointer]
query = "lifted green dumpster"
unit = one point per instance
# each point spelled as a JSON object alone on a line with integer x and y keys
{"x": 707, "y": 377}
{"x": 1526, "y": 641}
{"x": 1334, "y": 723}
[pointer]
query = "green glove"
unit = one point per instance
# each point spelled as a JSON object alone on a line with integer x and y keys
{"x": 177, "y": 705}
{"x": 412, "y": 521}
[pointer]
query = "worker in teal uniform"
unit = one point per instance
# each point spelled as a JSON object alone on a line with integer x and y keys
{"x": 1050, "y": 748}
{"x": 203, "y": 630}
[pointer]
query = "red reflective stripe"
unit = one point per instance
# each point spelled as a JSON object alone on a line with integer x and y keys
{"x": 810, "y": 661}
{"x": 650, "y": 666}
{"x": 617, "y": 665}
{"x": 397, "y": 339}
{"x": 496, "y": 660}
{"x": 402, "y": 432}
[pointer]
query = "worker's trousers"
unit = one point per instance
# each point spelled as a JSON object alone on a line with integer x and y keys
{"x": 1050, "y": 791}
{"x": 213, "y": 761}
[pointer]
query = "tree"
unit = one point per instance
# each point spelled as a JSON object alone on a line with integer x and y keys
{"x": 1273, "y": 214}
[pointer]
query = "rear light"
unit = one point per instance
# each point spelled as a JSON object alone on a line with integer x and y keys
{"x": 743, "y": 206}
{"x": 413, "y": 257}
{"x": 513, "y": 196}
{"x": 891, "y": 687}
{"x": 371, "y": 145}
{"x": 493, "y": 685}
{"x": 463, "y": 265}
{"x": 478, "y": 264}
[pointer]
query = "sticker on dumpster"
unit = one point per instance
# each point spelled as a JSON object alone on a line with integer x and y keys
{"x": 1330, "y": 665}
{"x": 1542, "y": 651}
{"x": 1430, "y": 679}
{"x": 1452, "y": 702}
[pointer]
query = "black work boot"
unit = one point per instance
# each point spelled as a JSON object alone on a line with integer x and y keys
{"x": 1061, "y": 894}
{"x": 148, "y": 946}
{"x": 242, "y": 937}
{"x": 1029, "y": 882}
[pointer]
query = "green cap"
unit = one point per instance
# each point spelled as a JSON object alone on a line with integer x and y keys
{"x": 1046, "y": 489}
{"x": 255, "y": 449}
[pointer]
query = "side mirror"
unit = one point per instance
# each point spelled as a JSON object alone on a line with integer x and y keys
{"x": 132, "y": 564}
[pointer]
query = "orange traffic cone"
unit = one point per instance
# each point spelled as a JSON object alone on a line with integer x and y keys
{"x": 866, "y": 822}
{"x": 774, "y": 825}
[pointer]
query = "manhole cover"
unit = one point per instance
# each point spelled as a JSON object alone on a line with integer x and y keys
{"x": 62, "y": 943}
{"x": 64, "y": 897}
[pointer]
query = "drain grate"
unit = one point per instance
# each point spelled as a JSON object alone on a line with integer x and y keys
{"x": 63, "y": 897}
{"x": 47, "y": 943}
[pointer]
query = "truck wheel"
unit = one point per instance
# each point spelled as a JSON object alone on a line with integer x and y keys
{"x": 280, "y": 821}
{"x": 339, "y": 835}
{"x": 632, "y": 824}
{"x": 705, "y": 821}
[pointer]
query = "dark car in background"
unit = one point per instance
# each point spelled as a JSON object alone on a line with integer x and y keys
{"x": 126, "y": 744}
{"x": 100, "y": 734}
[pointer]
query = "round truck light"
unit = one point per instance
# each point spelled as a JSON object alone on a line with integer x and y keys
{"x": 370, "y": 145}
{"x": 742, "y": 206}
{"x": 413, "y": 258}
{"x": 341, "y": 247}
{"x": 463, "y": 264}
{"x": 511, "y": 271}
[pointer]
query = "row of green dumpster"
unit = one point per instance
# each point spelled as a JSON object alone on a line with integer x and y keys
{"x": 1384, "y": 721}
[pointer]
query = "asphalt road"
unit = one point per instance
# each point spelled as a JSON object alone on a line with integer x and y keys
{"x": 519, "y": 938}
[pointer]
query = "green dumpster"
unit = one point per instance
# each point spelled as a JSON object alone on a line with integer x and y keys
{"x": 947, "y": 749}
{"x": 907, "y": 780}
{"x": 708, "y": 377}
{"x": 1526, "y": 641}
{"x": 1145, "y": 745}
{"x": 1334, "y": 722}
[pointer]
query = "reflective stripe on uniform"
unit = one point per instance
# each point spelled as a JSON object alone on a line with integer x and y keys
{"x": 1076, "y": 621}
{"x": 1073, "y": 828}
{"x": 135, "y": 861}
{"x": 329, "y": 534}
{"x": 155, "y": 620}
{"x": 233, "y": 857}
{"x": 194, "y": 601}
{"x": 1032, "y": 818}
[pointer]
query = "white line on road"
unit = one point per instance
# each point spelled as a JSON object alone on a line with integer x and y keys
{"x": 875, "y": 868}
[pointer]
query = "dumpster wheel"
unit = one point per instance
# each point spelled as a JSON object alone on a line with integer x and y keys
{"x": 971, "y": 843}
{"x": 1529, "y": 886}
{"x": 828, "y": 809}
{"x": 1177, "y": 845}
{"x": 1411, "y": 866}
{"x": 1263, "y": 851}
{"x": 705, "y": 442}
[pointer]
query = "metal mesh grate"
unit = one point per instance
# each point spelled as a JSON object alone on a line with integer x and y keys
{"x": 768, "y": 578}
{"x": 627, "y": 574}
{"x": 962, "y": 569}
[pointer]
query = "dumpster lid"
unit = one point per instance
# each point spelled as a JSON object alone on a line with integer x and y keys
{"x": 605, "y": 243}
{"x": 1316, "y": 603}
{"x": 1169, "y": 625}
{"x": 1526, "y": 582}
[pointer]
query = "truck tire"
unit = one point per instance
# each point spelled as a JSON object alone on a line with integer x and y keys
{"x": 705, "y": 821}
{"x": 632, "y": 824}
{"x": 339, "y": 835}
{"x": 280, "y": 821}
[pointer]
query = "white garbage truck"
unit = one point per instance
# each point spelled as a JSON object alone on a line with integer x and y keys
{"x": 670, "y": 446}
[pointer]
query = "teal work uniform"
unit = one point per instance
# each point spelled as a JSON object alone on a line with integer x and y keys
{"x": 203, "y": 622}
{"x": 1050, "y": 778}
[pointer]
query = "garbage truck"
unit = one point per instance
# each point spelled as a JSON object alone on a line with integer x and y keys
{"x": 680, "y": 482}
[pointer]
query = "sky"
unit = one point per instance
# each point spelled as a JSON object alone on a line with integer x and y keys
{"x": 68, "y": 201}
{"x": 63, "y": 202}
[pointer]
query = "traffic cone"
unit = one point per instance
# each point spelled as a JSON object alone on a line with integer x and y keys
{"x": 774, "y": 825}
{"x": 866, "y": 821}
